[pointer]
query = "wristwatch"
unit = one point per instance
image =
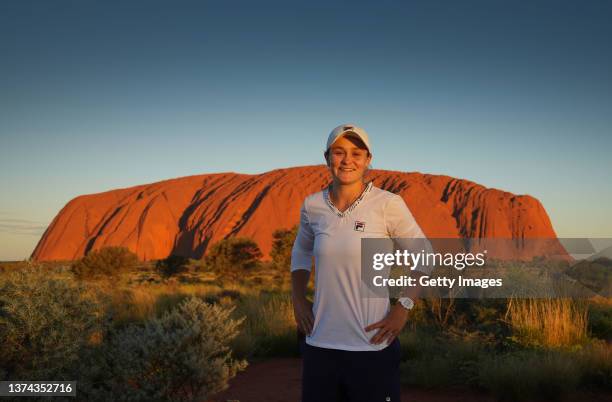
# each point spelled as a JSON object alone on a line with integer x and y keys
{"x": 406, "y": 302}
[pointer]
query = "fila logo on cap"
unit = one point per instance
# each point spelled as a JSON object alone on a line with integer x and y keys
{"x": 359, "y": 226}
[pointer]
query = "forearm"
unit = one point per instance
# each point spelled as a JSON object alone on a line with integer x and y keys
{"x": 299, "y": 283}
{"x": 419, "y": 270}
{"x": 416, "y": 291}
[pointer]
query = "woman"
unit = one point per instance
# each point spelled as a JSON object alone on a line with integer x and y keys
{"x": 351, "y": 349}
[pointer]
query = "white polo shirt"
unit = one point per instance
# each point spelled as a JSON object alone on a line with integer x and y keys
{"x": 341, "y": 309}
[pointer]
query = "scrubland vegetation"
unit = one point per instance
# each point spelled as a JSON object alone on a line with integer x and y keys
{"x": 180, "y": 329}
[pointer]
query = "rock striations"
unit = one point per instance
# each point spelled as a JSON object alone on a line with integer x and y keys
{"x": 186, "y": 215}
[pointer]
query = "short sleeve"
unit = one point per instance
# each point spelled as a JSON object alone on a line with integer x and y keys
{"x": 407, "y": 233}
{"x": 399, "y": 219}
{"x": 301, "y": 254}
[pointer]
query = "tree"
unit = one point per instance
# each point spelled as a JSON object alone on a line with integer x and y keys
{"x": 282, "y": 246}
{"x": 234, "y": 253}
{"x": 104, "y": 263}
{"x": 172, "y": 265}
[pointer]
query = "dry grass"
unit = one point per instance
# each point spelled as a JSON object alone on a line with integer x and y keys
{"x": 272, "y": 315}
{"x": 269, "y": 328}
{"x": 548, "y": 322}
{"x": 136, "y": 303}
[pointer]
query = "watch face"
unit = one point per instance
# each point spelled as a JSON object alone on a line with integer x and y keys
{"x": 407, "y": 303}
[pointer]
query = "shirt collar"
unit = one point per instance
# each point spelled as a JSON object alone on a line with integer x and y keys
{"x": 351, "y": 207}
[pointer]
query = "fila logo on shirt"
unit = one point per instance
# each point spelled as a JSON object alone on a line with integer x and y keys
{"x": 359, "y": 226}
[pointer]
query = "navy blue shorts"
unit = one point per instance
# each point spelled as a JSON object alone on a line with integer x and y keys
{"x": 332, "y": 375}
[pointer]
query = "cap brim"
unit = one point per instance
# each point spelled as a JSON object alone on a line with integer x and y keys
{"x": 350, "y": 133}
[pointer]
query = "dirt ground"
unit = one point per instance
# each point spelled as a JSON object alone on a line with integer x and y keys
{"x": 279, "y": 380}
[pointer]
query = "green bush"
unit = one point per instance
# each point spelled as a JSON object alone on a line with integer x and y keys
{"x": 435, "y": 372}
{"x": 172, "y": 265}
{"x": 440, "y": 361}
{"x": 595, "y": 275}
{"x": 600, "y": 321}
{"x": 235, "y": 254}
{"x": 436, "y": 361}
{"x": 595, "y": 361}
{"x": 282, "y": 245}
{"x": 45, "y": 323}
{"x": 529, "y": 375}
{"x": 108, "y": 262}
{"x": 181, "y": 356}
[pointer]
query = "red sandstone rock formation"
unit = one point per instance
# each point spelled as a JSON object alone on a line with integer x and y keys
{"x": 186, "y": 215}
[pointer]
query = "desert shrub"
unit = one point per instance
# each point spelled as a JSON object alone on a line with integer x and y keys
{"x": 600, "y": 321}
{"x": 548, "y": 322}
{"x": 437, "y": 361}
{"x": 428, "y": 373}
{"x": 44, "y": 325}
{"x": 172, "y": 265}
{"x": 282, "y": 245}
{"x": 527, "y": 375}
{"x": 476, "y": 318}
{"x": 439, "y": 312}
{"x": 234, "y": 254}
{"x": 418, "y": 343}
{"x": 181, "y": 356}
{"x": 595, "y": 362}
{"x": 595, "y": 275}
{"x": 269, "y": 328}
{"x": 107, "y": 262}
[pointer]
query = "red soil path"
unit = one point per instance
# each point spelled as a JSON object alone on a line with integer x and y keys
{"x": 279, "y": 380}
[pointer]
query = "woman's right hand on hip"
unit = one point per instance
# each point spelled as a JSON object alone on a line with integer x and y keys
{"x": 302, "y": 310}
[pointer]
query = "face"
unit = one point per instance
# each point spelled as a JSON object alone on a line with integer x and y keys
{"x": 347, "y": 162}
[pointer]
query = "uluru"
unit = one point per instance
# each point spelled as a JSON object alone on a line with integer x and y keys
{"x": 187, "y": 215}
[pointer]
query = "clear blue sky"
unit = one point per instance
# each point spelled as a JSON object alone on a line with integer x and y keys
{"x": 96, "y": 95}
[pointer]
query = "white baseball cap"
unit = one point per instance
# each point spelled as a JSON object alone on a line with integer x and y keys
{"x": 345, "y": 129}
